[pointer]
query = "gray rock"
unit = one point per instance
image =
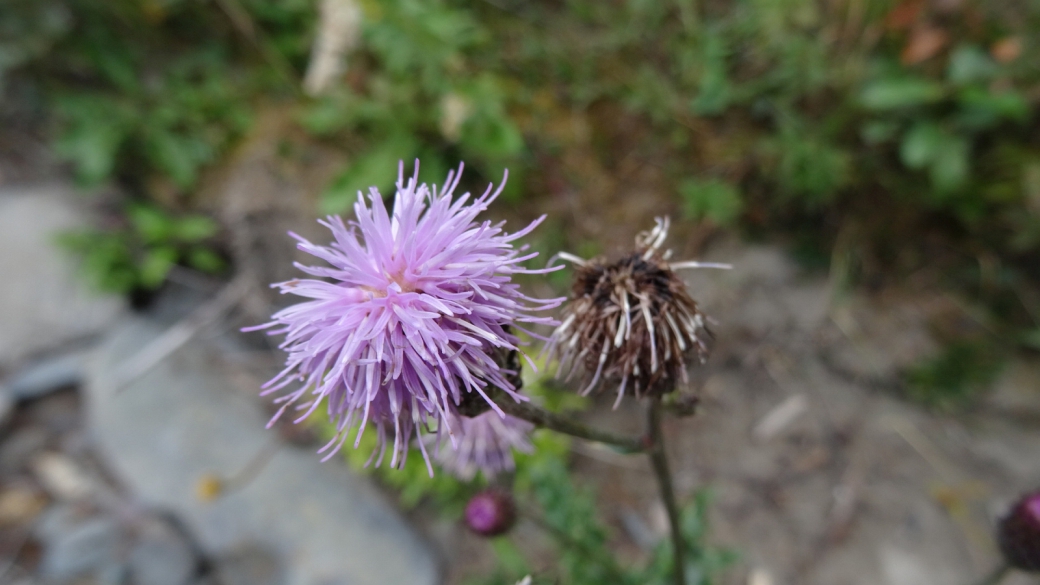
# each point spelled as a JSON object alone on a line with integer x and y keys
{"x": 74, "y": 547}
{"x": 161, "y": 556}
{"x": 6, "y": 407}
{"x": 44, "y": 303}
{"x": 249, "y": 565}
{"x": 184, "y": 420}
{"x": 45, "y": 376}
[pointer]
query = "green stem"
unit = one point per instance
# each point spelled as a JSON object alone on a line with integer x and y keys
{"x": 543, "y": 418}
{"x": 664, "y": 481}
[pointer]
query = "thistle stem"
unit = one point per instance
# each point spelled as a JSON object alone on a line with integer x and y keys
{"x": 664, "y": 481}
{"x": 996, "y": 576}
{"x": 543, "y": 418}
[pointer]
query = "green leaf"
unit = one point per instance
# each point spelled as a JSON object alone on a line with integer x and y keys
{"x": 153, "y": 225}
{"x": 715, "y": 199}
{"x": 205, "y": 260}
{"x": 968, "y": 64}
{"x": 488, "y": 132}
{"x": 950, "y": 167}
{"x": 195, "y": 228}
{"x": 715, "y": 92}
{"x": 982, "y": 109}
{"x": 510, "y": 557}
{"x": 920, "y": 145}
{"x": 879, "y": 131}
{"x": 156, "y": 265}
{"x": 93, "y": 130}
{"x": 178, "y": 156}
{"x": 330, "y": 114}
{"x": 898, "y": 93}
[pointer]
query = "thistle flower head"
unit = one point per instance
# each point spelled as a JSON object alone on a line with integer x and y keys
{"x": 406, "y": 316}
{"x": 484, "y": 443}
{"x": 632, "y": 321}
{"x": 1019, "y": 534}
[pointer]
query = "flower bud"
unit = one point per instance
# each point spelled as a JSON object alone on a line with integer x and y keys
{"x": 1019, "y": 534}
{"x": 490, "y": 513}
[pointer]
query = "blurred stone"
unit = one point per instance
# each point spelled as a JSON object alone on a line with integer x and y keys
{"x": 18, "y": 447}
{"x": 62, "y": 477}
{"x": 161, "y": 556}
{"x": 44, "y": 302}
{"x": 19, "y": 505}
{"x": 74, "y": 548}
{"x": 45, "y": 376}
{"x": 184, "y": 420}
{"x": 1017, "y": 390}
{"x": 249, "y": 565}
{"x": 6, "y": 407}
{"x": 902, "y": 567}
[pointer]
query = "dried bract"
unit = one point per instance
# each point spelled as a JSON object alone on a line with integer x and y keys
{"x": 632, "y": 321}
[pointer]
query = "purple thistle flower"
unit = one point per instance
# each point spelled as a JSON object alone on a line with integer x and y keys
{"x": 486, "y": 443}
{"x": 406, "y": 320}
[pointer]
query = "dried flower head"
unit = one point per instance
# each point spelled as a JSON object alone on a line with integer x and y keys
{"x": 484, "y": 443}
{"x": 407, "y": 317}
{"x": 632, "y": 321}
{"x": 1019, "y": 534}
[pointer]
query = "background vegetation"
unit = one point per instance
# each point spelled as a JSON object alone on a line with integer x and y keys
{"x": 883, "y": 140}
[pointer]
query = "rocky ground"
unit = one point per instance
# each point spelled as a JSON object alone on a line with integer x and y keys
{"x": 132, "y": 448}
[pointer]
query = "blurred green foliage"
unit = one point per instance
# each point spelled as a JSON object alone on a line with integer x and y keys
{"x": 139, "y": 255}
{"x": 953, "y": 377}
{"x": 910, "y": 124}
{"x": 146, "y": 93}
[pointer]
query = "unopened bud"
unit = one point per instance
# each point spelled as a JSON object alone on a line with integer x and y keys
{"x": 1019, "y": 534}
{"x": 490, "y": 513}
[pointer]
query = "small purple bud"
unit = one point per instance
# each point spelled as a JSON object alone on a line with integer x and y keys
{"x": 1019, "y": 534}
{"x": 490, "y": 513}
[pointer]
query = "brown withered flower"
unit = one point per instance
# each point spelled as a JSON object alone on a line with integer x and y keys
{"x": 632, "y": 321}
